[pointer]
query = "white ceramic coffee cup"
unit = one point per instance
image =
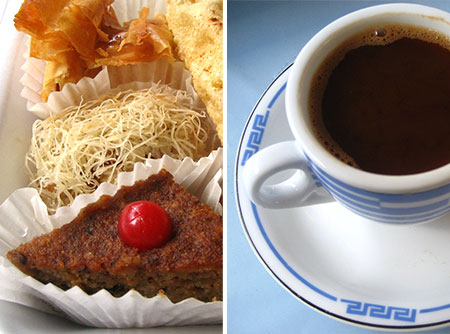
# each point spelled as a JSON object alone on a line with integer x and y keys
{"x": 391, "y": 199}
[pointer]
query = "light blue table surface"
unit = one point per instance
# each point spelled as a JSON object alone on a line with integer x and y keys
{"x": 263, "y": 38}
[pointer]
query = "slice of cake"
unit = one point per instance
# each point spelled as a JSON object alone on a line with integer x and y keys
{"x": 89, "y": 253}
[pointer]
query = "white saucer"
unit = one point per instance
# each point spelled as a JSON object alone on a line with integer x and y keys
{"x": 365, "y": 273}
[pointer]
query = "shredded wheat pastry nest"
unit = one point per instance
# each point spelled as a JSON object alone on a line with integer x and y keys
{"x": 73, "y": 152}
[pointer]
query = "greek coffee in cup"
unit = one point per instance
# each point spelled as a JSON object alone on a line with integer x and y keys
{"x": 370, "y": 90}
{"x": 380, "y": 101}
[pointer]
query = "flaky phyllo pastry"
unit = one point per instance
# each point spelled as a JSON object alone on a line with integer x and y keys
{"x": 197, "y": 26}
{"x": 77, "y": 37}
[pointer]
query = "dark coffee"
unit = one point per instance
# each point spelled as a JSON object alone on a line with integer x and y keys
{"x": 381, "y": 101}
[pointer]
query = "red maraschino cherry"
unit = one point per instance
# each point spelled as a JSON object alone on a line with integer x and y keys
{"x": 144, "y": 225}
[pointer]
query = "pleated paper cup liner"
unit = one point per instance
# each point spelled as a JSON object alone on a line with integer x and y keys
{"x": 160, "y": 71}
{"x": 24, "y": 216}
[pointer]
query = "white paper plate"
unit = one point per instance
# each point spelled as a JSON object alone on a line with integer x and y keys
{"x": 362, "y": 272}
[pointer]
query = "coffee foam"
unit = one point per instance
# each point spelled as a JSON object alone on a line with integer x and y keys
{"x": 377, "y": 35}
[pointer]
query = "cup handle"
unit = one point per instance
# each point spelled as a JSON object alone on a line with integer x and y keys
{"x": 301, "y": 189}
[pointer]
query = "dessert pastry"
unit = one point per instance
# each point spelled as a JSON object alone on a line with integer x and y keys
{"x": 109, "y": 134}
{"x": 197, "y": 28}
{"x": 88, "y": 252}
{"x": 76, "y": 38}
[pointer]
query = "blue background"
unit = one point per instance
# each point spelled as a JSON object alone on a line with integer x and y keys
{"x": 263, "y": 38}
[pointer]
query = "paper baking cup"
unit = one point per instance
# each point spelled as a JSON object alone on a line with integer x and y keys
{"x": 160, "y": 71}
{"x": 88, "y": 89}
{"x": 172, "y": 74}
{"x": 23, "y": 216}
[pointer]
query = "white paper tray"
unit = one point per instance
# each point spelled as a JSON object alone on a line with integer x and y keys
{"x": 15, "y": 134}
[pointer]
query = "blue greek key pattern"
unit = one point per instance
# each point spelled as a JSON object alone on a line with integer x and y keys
{"x": 255, "y": 137}
{"x": 258, "y": 127}
{"x": 380, "y": 311}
